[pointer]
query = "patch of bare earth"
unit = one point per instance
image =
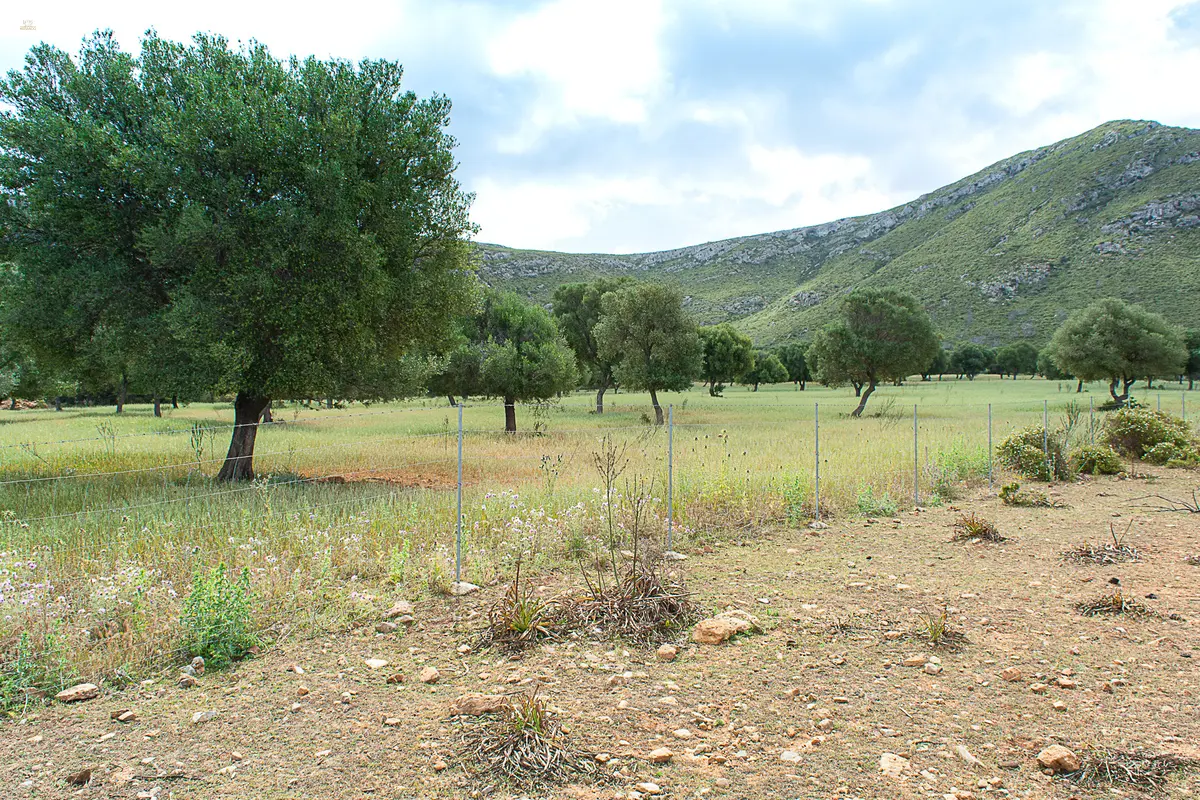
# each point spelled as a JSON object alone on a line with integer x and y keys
{"x": 813, "y": 707}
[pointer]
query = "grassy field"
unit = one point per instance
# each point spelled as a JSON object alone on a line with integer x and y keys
{"x": 108, "y": 517}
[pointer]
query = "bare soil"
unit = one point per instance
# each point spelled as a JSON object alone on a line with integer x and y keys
{"x": 840, "y": 612}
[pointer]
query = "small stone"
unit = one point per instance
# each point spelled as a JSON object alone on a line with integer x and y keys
{"x": 825, "y": 724}
{"x": 682, "y": 733}
{"x": 198, "y": 665}
{"x": 294, "y": 707}
{"x": 933, "y": 669}
{"x": 396, "y": 678}
{"x": 892, "y": 765}
{"x": 464, "y": 649}
{"x": 1066, "y": 683}
{"x": 1057, "y": 758}
{"x": 123, "y": 716}
{"x": 1011, "y": 674}
{"x": 648, "y": 787}
{"x": 235, "y": 756}
{"x": 660, "y": 755}
{"x": 392, "y": 722}
{"x": 323, "y": 753}
{"x": 376, "y": 663}
{"x": 439, "y": 765}
{"x": 1059, "y": 705}
{"x": 915, "y": 661}
{"x": 430, "y": 675}
{"x": 666, "y": 652}
{"x": 1038, "y": 688}
{"x": 791, "y": 756}
{"x": 296, "y": 668}
{"x": 722, "y": 783}
{"x": 78, "y": 693}
{"x": 203, "y": 716}
{"x": 301, "y": 691}
{"x": 399, "y": 609}
{"x": 603, "y": 758}
{"x": 346, "y": 698}
{"x": 386, "y": 627}
{"x": 81, "y": 778}
{"x": 187, "y": 681}
{"x": 462, "y": 588}
{"x": 965, "y": 756}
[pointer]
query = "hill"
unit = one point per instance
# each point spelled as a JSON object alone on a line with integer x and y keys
{"x": 1001, "y": 255}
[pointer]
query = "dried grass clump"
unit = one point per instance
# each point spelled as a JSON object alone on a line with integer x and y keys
{"x": 1117, "y": 604}
{"x": 972, "y": 527}
{"x": 1105, "y": 553}
{"x": 1104, "y": 768}
{"x": 523, "y": 747}
{"x": 1194, "y": 560}
{"x": 640, "y": 606}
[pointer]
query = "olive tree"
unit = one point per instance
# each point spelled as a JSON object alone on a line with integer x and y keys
{"x": 576, "y": 308}
{"x": 294, "y": 226}
{"x": 1016, "y": 359}
{"x": 1121, "y": 343}
{"x": 728, "y": 355}
{"x": 652, "y": 341}
{"x": 883, "y": 335}
{"x": 794, "y": 359}
{"x": 971, "y": 359}
{"x": 767, "y": 368}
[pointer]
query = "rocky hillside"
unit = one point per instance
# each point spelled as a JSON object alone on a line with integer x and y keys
{"x": 1001, "y": 255}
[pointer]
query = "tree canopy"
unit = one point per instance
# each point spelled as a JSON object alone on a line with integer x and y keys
{"x": 1020, "y": 358}
{"x": 261, "y": 228}
{"x": 767, "y": 368}
{"x": 652, "y": 341}
{"x": 728, "y": 355}
{"x": 1118, "y": 342}
{"x": 971, "y": 359}
{"x": 939, "y": 365}
{"x": 793, "y": 357}
{"x": 1191, "y": 370}
{"x": 883, "y": 335}
{"x": 577, "y": 308}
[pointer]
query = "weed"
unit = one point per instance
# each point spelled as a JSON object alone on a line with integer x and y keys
{"x": 1103, "y": 768}
{"x": 1194, "y": 560}
{"x": 935, "y": 630}
{"x": 1191, "y": 506}
{"x": 641, "y": 607}
{"x": 216, "y": 617}
{"x": 519, "y": 619}
{"x": 871, "y": 505}
{"x": 1096, "y": 459}
{"x": 972, "y": 527}
{"x": 1116, "y": 604}
{"x": 1136, "y": 431}
{"x": 1013, "y": 495}
{"x": 398, "y": 560}
{"x": 1114, "y": 552}
{"x": 27, "y": 676}
{"x": 796, "y": 507}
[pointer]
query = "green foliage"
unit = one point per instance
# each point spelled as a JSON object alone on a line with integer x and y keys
{"x": 870, "y": 504}
{"x": 29, "y": 672}
{"x": 939, "y": 366}
{"x": 1191, "y": 370}
{"x": 216, "y": 617}
{"x": 1117, "y": 342}
{"x": 767, "y": 369}
{"x": 1096, "y": 459}
{"x": 1035, "y": 455}
{"x": 971, "y": 360}
{"x": 216, "y": 218}
{"x": 1017, "y": 359}
{"x": 728, "y": 356}
{"x": 1134, "y": 431}
{"x": 883, "y": 335}
{"x": 1048, "y": 369}
{"x": 1172, "y": 454}
{"x": 577, "y": 308}
{"x": 971, "y": 526}
{"x": 651, "y": 339}
{"x": 1011, "y": 494}
{"x": 792, "y": 356}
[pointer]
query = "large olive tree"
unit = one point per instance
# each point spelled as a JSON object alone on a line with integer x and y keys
{"x": 293, "y": 227}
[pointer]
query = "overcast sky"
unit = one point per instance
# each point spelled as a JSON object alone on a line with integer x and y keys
{"x": 632, "y": 125}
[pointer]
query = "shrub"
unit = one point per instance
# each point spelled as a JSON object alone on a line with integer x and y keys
{"x": 872, "y": 505}
{"x": 31, "y": 671}
{"x": 1096, "y": 459}
{"x": 1134, "y": 431}
{"x": 1023, "y": 453}
{"x": 216, "y": 617}
{"x": 1013, "y": 495}
{"x": 1170, "y": 454}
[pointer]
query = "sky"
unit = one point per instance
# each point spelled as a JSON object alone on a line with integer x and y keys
{"x": 634, "y": 125}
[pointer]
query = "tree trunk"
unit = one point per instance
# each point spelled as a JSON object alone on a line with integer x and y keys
{"x": 755, "y": 389}
{"x": 658, "y": 413}
{"x": 863, "y": 402}
{"x": 1079, "y": 386}
{"x": 858, "y": 387}
{"x": 329, "y": 402}
{"x": 510, "y": 415}
{"x": 12, "y": 403}
{"x": 58, "y": 403}
{"x": 1191, "y": 383}
{"x": 802, "y": 385}
{"x": 239, "y": 461}
{"x": 453, "y": 403}
{"x": 158, "y": 406}
{"x": 121, "y": 390}
{"x": 600, "y": 399}
{"x": 174, "y": 401}
{"x": 266, "y": 415}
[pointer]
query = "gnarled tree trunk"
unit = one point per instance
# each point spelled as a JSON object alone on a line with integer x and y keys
{"x": 266, "y": 415}
{"x": 862, "y": 403}
{"x": 658, "y": 412}
{"x": 510, "y": 415}
{"x": 239, "y": 461}
{"x": 158, "y": 406}
{"x": 121, "y": 391}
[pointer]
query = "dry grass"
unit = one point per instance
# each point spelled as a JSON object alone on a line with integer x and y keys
{"x": 1102, "y": 769}
{"x": 970, "y": 527}
{"x": 1116, "y": 551}
{"x": 1115, "y": 604}
{"x": 641, "y": 607}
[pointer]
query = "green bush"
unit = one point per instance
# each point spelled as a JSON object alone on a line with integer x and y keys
{"x": 216, "y": 617}
{"x": 872, "y": 505}
{"x": 1097, "y": 459}
{"x": 29, "y": 672}
{"x": 1170, "y": 454}
{"x": 1023, "y": 453}
{"x": 1134, "y": 431}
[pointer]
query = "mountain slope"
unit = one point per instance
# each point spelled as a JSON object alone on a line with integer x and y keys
{"x": 1001, "y": 255}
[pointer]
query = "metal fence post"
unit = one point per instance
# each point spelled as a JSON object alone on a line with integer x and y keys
{"x": 1046, "y": 429}
{"x": 1183, "y": 405}
{"x": 991, "y": 480}
{"x": 458, "y": 522}
{"x": 817, "y": 450}
{"x": 670, "y": 474}
{"x": 1091, "y": 419}
{"x": 1158, "y": 402}
{"x": 916, "y": 462}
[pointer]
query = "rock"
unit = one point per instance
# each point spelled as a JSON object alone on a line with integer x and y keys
{"x": 603, "y": 758}
{"x": 463, "y": 650}
{"x": 198, "y": 665}
{"x": 1066, "y": 683}
{"x": 462, "y": 587}
{"x": 672, "y": 555}
{"x": 722, "y": 783}
{"x": 376, "y": 663}
{"x": 648, "y": 787}
{"x": 439, "y": 765}
{"x": 1011, "y": 674}
{"x": 235, "y": 756}
{"x": 399, "y": 609}
{"x": 123, "y": 716}
{"x": 817, "y": 526}
{"x": 475, "y": 704}
{"x": 430, "y": 675}
{"x": 1059, "y": 705}
{"x": 301, "y": 691}
{"x": 296, "y": 668}
{"x": 964, "y": 755}
{"x": 78, "y": 693}
{"x": 1057, "y": 758}
{"x": 1038, "y": 688}
{"x": 933, "y": 669}
{"x": 347, "y": 697}
{"x": 187, "y": 681}
{"x": 203, "y": 716}
{"x": 892, "y": 765}
{"x": 392, "y": 722}
{"x": 666, "y": 652}
{"x": 397, "y": 678}
{"x": 386, "y": 627}
{"x": 825, "y": 724}
{"x": 660, "y": 755}
{"x": 682, "y": 733}
{"x": 791, "y": 756}
{"x": 915, "y": 661}
{"x": 720, "y": 628}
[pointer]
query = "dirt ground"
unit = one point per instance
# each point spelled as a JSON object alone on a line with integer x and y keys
{"x": 831, "y": 604}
